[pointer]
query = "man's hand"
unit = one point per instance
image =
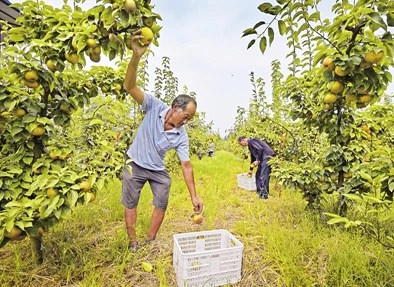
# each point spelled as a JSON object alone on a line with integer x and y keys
{"x": 256, "y": 163}
{"x": 198, "y": 206}
{"x": 136, "y": 45}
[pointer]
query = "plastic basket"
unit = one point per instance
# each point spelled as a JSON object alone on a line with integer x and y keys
{"x": 245, "y": 182}
{"x": 207, "y": 258}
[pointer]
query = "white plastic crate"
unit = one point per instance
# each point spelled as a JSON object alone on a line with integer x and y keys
{"x": 245, "y": 182}
{"x": 207, "y": 258}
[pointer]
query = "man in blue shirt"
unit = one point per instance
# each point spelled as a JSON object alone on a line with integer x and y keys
{"x": 161, "y": 130}
{"x": 260, "y": 153}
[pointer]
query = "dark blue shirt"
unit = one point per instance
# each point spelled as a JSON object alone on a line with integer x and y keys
{"x": 259, "y": 149}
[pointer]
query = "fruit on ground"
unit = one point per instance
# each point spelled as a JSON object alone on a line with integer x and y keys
{"x": 372, "y": 57}
{"x": 147, "y": 33}
{"x": 340, "y": 72}
{"x": 38, "y": 131}
{"x": 328, "y": 64}
{"x": 330, "y": 98}
{"x": 337, "y": 87}
{"x": 198, "y": 219}
{"x": 13, "y": 233}
{"x": 51, "y": 192}
{"x": 84, "y": 185}
{"x": 73, "y": 58}
{"x": 130, "y": 6}
{"x": 147, "y": 266}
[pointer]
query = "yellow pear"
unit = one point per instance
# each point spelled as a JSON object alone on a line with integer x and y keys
{"x": 91, "y": 43}
{"x": 96, "y": 50}
{"x": 38, "y": 131}
{"x": 32, "y": 85}
{"x": 31, "y": 76}
{"x": 340, "y": 72}
{"x": 365, "y": 99}
{"x": 51, "y": 65}
{"x": 147, "y": 266}
{"x": 351, "y": 97}
{"x": 328, "y": 64}
{"x": 73, "y": 58}
{"x": 95, "y": 57}
{"x": 330, "y": 98}
{"x": 372, "y": 57}
{"x": 19, "y": 112}
{"x": 147, "y": 33}
{"x": 84, "y": 185}
{"x": 337, "y": 87}
{"x": 130, "y": 6}
{"x": 13, "y": 233}
{"x": 51, "y": 192}
{"x": 148, "y": 21}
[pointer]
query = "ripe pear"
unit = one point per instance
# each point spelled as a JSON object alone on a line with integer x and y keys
{"x": 92, "y": 196}
{"x": 19, "y": 112}
{"x": 147, "y": 266}
{"x": 51, "y": 192}
{"x": 51, "y": 65}
{"x": 351, "y": 97}
{"x": 96, "y": 50}
{"x": 31, "y": 76}
{"x": 337, "y": 87}
{"x": 328, "y": 64}
{"x": 38, "y": 131}
{"x": 91, "y": 43}
{"x": 73, "y": 58}
{"x": 13, "y": 233}
{"x": 32, "y": 85}
{"x": 340, "y": 72}
{"x": 118, "y": 87}
{"x": 130, "y": 6}
{"x": 84, "y": 185}
{"x": 115, "y": 6}
{"x": 372, "y": 57}
{"x": 147, "y": 33}
{"x": 95, "y": 57}
{"x": 198, "y": 219}
{"x": 330, "y": 98}
{"x": 365, "y": 99}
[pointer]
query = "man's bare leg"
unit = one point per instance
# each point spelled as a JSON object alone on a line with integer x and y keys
{"x": 156, "y": 221}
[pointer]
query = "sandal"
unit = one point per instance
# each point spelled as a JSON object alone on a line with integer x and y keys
{"x": 134, "y": 247}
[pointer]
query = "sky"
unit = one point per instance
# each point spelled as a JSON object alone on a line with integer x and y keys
{"x": 203, "y": 40}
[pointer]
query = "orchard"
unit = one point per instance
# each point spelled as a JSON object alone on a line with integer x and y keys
{"x": 66, "y": 123}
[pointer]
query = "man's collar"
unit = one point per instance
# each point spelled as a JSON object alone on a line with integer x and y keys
{"x": 162, "y": 116}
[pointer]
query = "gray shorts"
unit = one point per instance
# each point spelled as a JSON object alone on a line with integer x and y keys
{"x": 134, "y": 178}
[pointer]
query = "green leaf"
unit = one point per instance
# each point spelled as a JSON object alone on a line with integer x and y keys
{"x": 391, "y": 186}
{"x": 271, "y": 35}
{"x": 264, "y": 7}
{"x": 249, "y": 31}
{"x": 365, "y": 176}
{"x": 258, "y": 24}
{"x": 338, "y": 220}
{"x": 390, "y": 19}
{"x": 263, "y": 44}
{"x": 377, "y": 18}
{"x": 251, "y": 43}
{"x": 96, "y": 122}
{"x": 354, "y": 197}
{"x": 281, "y": 27}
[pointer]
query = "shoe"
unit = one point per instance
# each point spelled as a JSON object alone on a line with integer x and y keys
{"x": 133, "y": 248}
{"x": 263, "y": 196}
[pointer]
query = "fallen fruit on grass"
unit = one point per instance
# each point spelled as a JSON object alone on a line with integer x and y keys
{"x": 198, "y": 219}
{"x": 147, "y": 266}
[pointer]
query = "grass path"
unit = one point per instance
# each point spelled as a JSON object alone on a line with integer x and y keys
{"x": 284, "y": 245}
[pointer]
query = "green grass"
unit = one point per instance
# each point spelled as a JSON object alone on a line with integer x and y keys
{"x": 284, "y": 244}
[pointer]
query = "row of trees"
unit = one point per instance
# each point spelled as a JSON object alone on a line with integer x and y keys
{"x": 64, "y": 129}
{"x": 330, "y": 120}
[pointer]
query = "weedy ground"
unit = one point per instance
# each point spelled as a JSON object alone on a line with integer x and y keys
{"x": 284, "y": 244}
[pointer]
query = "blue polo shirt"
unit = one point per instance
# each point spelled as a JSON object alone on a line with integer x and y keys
{"x": 151, "y": 141}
